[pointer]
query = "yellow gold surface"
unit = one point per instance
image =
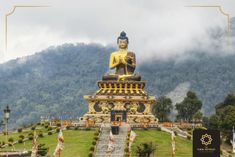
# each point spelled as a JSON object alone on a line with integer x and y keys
{"x": 125, "y": 88}
{"x": 131, "y": 88}
{"x": 110, "y": 87}
{"x": 137, "y": 90}
{"x": 115, "y": 88}
{"x": 117, "y": 58}
{"x": 120, "y": 90}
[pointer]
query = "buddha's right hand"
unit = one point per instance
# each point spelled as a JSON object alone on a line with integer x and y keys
{"x": 122, "y": 60}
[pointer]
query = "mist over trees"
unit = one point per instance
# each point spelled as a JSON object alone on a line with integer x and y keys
{"x": 53, "y": 82}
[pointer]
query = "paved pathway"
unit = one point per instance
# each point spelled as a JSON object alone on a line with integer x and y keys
{"x": 119, "y": 144}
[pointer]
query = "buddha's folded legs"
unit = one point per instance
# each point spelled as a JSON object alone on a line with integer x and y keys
{"x": 108, "y": 77}
{"x": 133, "y": 78}
{"x": 114, "y": 77}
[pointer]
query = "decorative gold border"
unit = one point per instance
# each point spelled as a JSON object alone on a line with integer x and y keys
{"x": 222, "y": 12}
{"x": 11, "y": 13}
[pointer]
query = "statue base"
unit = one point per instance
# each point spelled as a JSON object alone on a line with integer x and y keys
{"x": 120, "y": 101}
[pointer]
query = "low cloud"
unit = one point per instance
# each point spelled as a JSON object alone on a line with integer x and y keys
{"x": 156, "y": 29}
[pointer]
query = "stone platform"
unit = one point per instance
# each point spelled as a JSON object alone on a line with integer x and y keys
{"x": 127, "y": 96}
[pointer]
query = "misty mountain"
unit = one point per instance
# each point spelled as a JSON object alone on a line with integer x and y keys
{"x": 53, "y": 82}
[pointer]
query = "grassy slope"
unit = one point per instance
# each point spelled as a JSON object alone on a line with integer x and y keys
{"x": 77, "y": 143}
{"x": 163, "y": 143}
{"x": 25, "y": 132}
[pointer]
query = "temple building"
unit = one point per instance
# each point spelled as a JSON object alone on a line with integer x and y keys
{"x": 121, "y": 96}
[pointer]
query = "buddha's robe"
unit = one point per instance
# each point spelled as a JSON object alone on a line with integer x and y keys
{"x": 123, "y": 61}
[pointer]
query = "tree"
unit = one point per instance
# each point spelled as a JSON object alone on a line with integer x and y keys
{"x": 145, "y": 149}
{"x": 42, "y": 150}
{"x": 227, "y": 121}
{"x": 214, "y": 122}
{"x": 189, "y": 106}
{"x": 229, "y": 100}
{"x": 206, "y": 122}
{"x": 163, "y": 108}
{"x": 198, "y": 116}
{"x": 224, "y": 119}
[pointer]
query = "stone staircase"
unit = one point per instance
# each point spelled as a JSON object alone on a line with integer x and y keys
{"x": 119, "y": 144}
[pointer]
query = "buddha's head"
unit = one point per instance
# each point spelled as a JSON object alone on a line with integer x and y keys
{"x": 122, "y": 41}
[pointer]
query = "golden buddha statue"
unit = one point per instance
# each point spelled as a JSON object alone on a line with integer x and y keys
{"x": 124, "y": 62}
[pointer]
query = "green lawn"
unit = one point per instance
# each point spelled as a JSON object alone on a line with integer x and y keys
{"x": 162, "y": 140}
{"x": 77, "y": 143}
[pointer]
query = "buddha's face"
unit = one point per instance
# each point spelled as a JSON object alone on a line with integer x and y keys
{"x": 122, "y": 43}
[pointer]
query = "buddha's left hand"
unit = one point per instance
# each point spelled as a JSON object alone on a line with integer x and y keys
{"x": 129, "y": 59}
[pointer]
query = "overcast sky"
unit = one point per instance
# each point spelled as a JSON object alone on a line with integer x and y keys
{"x": 156, "y": 28}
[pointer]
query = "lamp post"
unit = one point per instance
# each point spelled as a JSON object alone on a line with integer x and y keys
{"x": 7, "y": 112}
{"x": 1, "y": 123}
